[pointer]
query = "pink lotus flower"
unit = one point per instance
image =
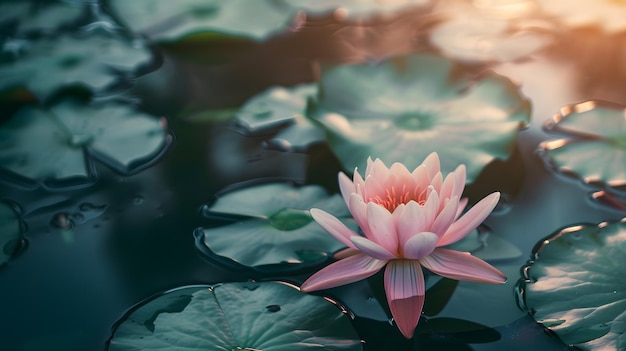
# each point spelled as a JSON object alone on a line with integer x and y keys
{"x": 406, "y": 218}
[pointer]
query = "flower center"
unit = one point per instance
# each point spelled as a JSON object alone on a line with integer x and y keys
{"x": 394, "y": 196}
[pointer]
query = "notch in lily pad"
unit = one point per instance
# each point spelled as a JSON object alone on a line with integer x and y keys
{"x": 218, "y": 317}
{"x": 57, "y": 146}
{"x": 575, "y": 287}
{"x": 269, "y": 229}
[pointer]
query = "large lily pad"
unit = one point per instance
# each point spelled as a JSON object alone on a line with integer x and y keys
{"x": 277, "y": 232}
{"x": 96, "y": 62}
{"x": 476, "y": 39}
{"x": 59, "y": 144}
{"x": 405, "y": 108}
{"x": 10, "y": 232}
{"x": 166, "y": 21}
{"x": 596, "y": 148}
{"x": 575, "y": 285}
{"x": 266, "y": 316}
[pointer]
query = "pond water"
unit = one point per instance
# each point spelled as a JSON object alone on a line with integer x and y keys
{"x": 93, "y": 247}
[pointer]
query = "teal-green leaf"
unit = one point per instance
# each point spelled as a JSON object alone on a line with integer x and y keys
{"x": 575, "y": 285}
{"x": 267, "y": 316}
{"x": 61, "y": 142}
{"x": 32, "y": 17}
{"x": 95, "y": 61}
{"x": 277, "y": 233}
{"x": 403, "y": 109}
{"x": 10, "y": 233}
{"x": 596, "y": 148}
{"x": 281, "y": 111}
{"x": 356, "y": 9}
{"x": 168, "y": 21}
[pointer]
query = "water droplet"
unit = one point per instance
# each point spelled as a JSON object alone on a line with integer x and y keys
{"x": 138, "y": 200}
{"x": 273, "y": 308}
{"x": 62, "y": 221}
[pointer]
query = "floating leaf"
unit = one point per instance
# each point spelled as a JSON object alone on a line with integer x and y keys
{"x": 476, "y": 39}
{"x": 596, "y": 149}
{"x": 166, "y": 21}
{"x": 279, "y": 233}
{"x": 356, "y": 9}
{"x": 280, "y": 111}
{"x": 96, "y": 61}
{"x": 10, "y": 232}
{"x": 425, "y": 106}
{"x": 60, "y": 144}
{"x": 265, "y": 316}
{"x": 575, "y": 285}
{"x": 606, "y": 14}
{"x": 33, "y": 17}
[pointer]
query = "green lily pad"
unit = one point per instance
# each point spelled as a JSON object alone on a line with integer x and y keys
{"x": 596, "y": 148}
{"x": 59, "y": 144}
{"x": 277, "y": 229}
{"x": 575, "y": 285}
{"x": 267, "y": 316}
{"x": 280, "y": 111}
{"x": 10, "y": 232}
{"x": 96, "y": 62}
{"x": 167, "y": 21}
{"x": 37, "y": 17}
{"x": 403, "y": 109}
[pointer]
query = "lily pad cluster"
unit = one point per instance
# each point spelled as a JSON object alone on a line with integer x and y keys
{"x": 273, "y": 224}
{"x": 62, "y": 57}
{"x": 166, "y": 21}
{"x": 594, "y": 144}
{"x": 22, "y": 18}
{"x": 58, "y": 145}
{"x": 575, "y": 286}
{"x": 236, "y": 316}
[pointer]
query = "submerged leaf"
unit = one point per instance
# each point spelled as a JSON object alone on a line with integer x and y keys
{"x": 61, "y": 143}
{"x": 265, "y": 316}
{"x": 95, "y": 61}
{"x": 483, "y": 244}
{"x": 575, "y": 285}
{"x": 425, "y": 106}
{"x": 278, "y": 233}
